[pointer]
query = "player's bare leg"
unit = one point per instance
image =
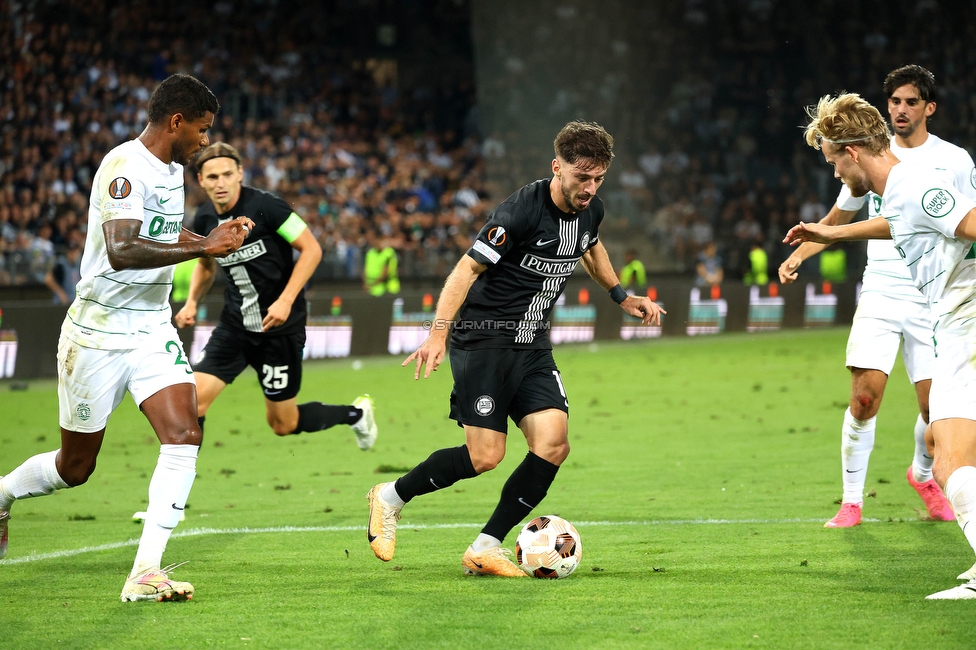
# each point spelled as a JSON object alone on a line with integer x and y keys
{"x": 288, "y": 417}
{"x": 441, "y": 469}
{"x": 209, "y": 388}
{"x": 282, "y": 416}
{"x": 172, "y": 412}
{"x": 955, "y": 471}
{"x": 546, "y": 433}
{"x": 919, "y": 475}
{"x": 857, "y": 441}
{"x": 40, "y": 475}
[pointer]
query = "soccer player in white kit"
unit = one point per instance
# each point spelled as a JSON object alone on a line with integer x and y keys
{"x": 933, "y": 226}
{"x": 117, "y": 335}
{"x": 891, "y": 309}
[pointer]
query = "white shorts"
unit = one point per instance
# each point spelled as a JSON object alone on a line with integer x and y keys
{"x": 953, "y": 392}
{"x": 880, "y": 324}
{"x": 92, "y": 382}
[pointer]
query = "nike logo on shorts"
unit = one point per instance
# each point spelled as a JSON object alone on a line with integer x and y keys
{"x": 545, "y": 243}
{"x": 175, "y": 507}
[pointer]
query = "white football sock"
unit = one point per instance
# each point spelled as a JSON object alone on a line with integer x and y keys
{"x": 169, "y": 489}
{"x": 389, "y": 494}
{"x": 37, "y": 476}
{"x": 857, "y": 441}
{"x": 922, "y": 462}
{"x": 485, "y": 542}
{"x": 961, "y": 492}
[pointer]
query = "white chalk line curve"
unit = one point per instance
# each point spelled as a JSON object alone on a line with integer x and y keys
{"x": 196, "y": 532}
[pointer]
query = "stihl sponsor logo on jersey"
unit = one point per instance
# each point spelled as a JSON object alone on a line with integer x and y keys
{"x": 244, "y": 254}
{"x": 547, "y": 267}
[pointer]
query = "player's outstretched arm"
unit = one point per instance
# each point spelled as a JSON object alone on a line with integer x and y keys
{"x": 597, "y": 264}
{"x": 309, "y": 256}
{"x": 431, "y": 351}
{"x": 201, "y": 280}
{"x": 967, "y": 227}
{"x": 821, "y": 234}
{"x": 127, "y": 250}
{"x": 806, "y": 250}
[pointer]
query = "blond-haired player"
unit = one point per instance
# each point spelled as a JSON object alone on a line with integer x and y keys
{"x": 891, "y": 312}
{"x": 933, "y": 226}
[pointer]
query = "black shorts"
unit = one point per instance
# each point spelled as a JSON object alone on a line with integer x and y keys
{"x": 495, "y": 384}
{"x": 277, "y": 360}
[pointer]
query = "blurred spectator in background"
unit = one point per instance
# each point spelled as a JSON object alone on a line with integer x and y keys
{"x": 64, "y": 275}
{"x": 633, "y": 276}
{"x": 709, "y": 268}
{"x": 813, "y": 209}
{"x": 833, "y": 264}
{"x": 379, "y": 267}
{"x": 758, "y": 271}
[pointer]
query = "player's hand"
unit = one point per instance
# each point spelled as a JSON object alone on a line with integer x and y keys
{"x": 228, "y": 236}
{"x": 431, "y": 352}
{"x": 187, "y": 315}
{"x": 787, "y": 270}
{"x": 810, "y": 232}
{"x": 278, "y": 313}
{"x": 643, "y": 308}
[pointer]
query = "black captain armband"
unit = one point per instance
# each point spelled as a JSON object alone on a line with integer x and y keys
{"x": 618, "y": 294}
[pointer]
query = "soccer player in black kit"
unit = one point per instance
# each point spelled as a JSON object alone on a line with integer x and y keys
{"x": 262, "y": 324}
{"x": 501, "y": 357}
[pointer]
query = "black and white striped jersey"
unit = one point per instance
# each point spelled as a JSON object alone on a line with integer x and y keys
{"x": 259, "y": 270}
{"x": 531, "y": 247}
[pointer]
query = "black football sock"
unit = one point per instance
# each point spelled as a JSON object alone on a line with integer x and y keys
{"x": 523, "y": 491}
{"x": 443, "y": 468}
{"x": 200, "y": 421}
{"x": 316, "y": 416}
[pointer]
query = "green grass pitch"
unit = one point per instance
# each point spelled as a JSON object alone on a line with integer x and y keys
{"x": 700, "y": 476}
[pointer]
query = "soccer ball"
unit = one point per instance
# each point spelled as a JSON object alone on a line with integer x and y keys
{"x": 548, "y": 547}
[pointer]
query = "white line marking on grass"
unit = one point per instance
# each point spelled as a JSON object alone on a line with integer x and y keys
{"x": 196, "y": 532}
{"x": 69, "y": 553}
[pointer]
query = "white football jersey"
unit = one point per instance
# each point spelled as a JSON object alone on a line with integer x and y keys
{"x": 923, "y": 209}
{"x": 116, "y": 309}
{"x": 885, "y": 270}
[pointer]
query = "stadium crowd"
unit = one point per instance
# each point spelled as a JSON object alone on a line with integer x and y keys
{"x": 727, "y": 164}
{"x": 324, "y": 127}
{"x": 360, "y": 146}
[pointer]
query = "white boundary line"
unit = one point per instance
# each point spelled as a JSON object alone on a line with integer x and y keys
{"x": 195, "y": 532}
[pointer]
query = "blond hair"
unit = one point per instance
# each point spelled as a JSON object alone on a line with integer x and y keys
{"x": 847, "y": 119}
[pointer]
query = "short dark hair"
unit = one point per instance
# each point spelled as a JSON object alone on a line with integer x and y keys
{"x": 588, "y": 141}
{"x": 916, "y": 75}
{"x": 184, "y": 94}
{"x": 217, "y": 150}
